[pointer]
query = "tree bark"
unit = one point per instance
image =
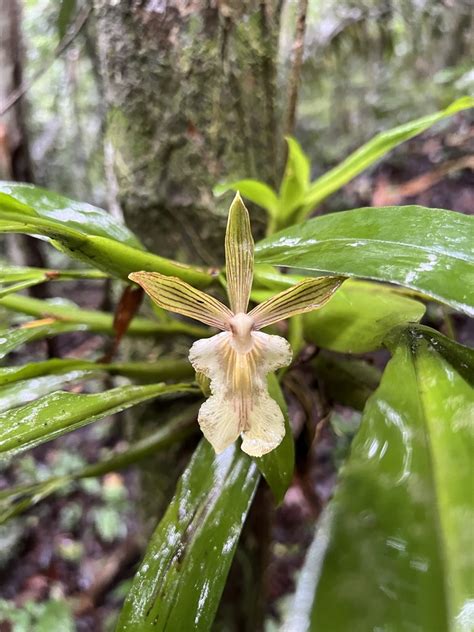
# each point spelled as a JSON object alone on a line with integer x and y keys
{"x": 15, "y": 161}
{"x": 191, "y": 94}
{"x": 14, "y": 153}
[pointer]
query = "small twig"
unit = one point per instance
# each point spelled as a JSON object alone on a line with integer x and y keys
{"x": 295, "y": 71}
{"x": 66, "y": 41}
{"x": 386, "y": 194}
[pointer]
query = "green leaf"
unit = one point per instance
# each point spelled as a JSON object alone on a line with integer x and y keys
{"x": 359, "y": 316}
{"x": 96, "y": 321}
{"x": 10, "y": 339}
{"x": 66, "y": 13}
{"x": 372, "y": 151}
{"x": 85, "y": 233}
{"x": 182, "y": 576}
{"x": 11, "y": 274}
{"x": 266, "y": 277}
{"x": 21, "y": 285}
{"x": 257, "y": 192}
{"x": 77, "y": 215}
{"x": 295, "y": 180}
{"x": 429, "y": 250}
{"x": 278, "y": 465}
{"x": 23, "y": 278}
{"x": 56, "y": 414}
{"x": 24, "y": 391}
{"x": 158, "y": 371}
{"x": 395, "y": 550}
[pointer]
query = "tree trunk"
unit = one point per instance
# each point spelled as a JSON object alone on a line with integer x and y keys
{"x": 14, "y": 154}
{"x": 15, "y": 162}
{"x": 191, "y": 94}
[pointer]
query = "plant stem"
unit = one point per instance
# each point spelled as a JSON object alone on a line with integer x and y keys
{"x": 99, "y": 321}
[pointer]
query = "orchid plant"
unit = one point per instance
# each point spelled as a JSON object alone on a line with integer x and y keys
{"x": 238, "y": 360}
{"x": 411, "y": 419}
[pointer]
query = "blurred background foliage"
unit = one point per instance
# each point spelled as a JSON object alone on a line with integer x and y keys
{"x": 368, "y": 66}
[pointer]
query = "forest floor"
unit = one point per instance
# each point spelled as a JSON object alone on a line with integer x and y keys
{"x": 83, "y": 544}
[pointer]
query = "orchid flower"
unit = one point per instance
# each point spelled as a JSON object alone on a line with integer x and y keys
{"x": 238, "y": 360}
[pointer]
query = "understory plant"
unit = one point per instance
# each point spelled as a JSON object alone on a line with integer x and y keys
{"x": 393, "y": 549}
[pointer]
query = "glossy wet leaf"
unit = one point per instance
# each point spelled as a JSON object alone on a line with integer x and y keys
{"x": 182, "y": 576}
{"x": 77, "y": 215}
{"x": 277, "y": 466}
{"x": 166, "y": 368}
{"x": 359, "y": 316}
{"x": 95, "y": 320}
{"x": 24, "y": 391}
{"x": 372, "y": 151}
{"x": 58, "y": 413}
{"x": 85, "y": 233}
{"x": 397, "y": 550}
{"x": 10, "y": 339}
{"x": 429, "y": 250}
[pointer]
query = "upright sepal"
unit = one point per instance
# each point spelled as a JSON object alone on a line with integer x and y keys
{"x": 239, "y": 248}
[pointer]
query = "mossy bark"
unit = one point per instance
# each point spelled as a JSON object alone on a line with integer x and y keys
{"x": 191, "y": 94}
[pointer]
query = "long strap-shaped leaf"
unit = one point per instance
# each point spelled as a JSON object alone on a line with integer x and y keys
{"x": 24, "y": 391}
{"x": 181, "y": 579}
{"x": 166, "y": 368}
{"x": 20, "y": 278}
{"x": 395, "y": 551}
{"x": 372, "y": 151}
{"x": 92, "y": 237}
{"x": 34, "y": 201}
{"x": 430, "y": 250}
{"x": 58, "y": 413}
{"x": 97, "y": 321}
{"x": 298, "y": 198}
{"x": 10, "y": 339}
{"x": 12, "y": 274}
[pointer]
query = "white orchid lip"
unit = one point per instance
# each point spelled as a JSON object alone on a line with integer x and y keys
{"x": 238, "y": 360}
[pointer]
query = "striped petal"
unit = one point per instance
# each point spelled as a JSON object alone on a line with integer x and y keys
{"x": 240, "y": 403}
{"x": 239, "y": 248}
{"x": 178, "y": 296}
{"x": 302, "y": 297}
